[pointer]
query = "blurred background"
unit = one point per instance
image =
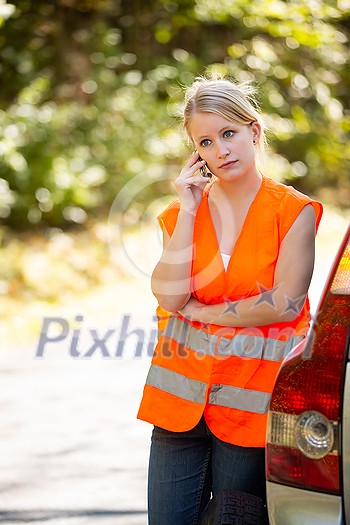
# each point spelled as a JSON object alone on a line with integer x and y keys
{"x": 90, "y": 143}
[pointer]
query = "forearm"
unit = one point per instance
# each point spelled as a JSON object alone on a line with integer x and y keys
{"x": 271, "y": 306}
{"x": 171, "y": 277}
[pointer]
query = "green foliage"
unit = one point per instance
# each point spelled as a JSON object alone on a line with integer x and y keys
{"x": 91, "y": 91}
{"x": 62, "y": 160}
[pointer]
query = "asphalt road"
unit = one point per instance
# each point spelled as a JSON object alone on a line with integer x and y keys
{"x": 72, "y": 450}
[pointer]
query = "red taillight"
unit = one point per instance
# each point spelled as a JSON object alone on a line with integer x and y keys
{"x": 305, "y": 410}
{"x": 299, "y": 471}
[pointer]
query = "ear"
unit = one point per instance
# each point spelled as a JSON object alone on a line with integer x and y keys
{"x": 256, "y": 131}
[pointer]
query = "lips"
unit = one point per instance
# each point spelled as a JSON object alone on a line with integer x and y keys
{"x": 228, "y": 164}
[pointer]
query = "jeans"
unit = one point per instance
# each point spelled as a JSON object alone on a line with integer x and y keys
{"x": 186, "y": 468}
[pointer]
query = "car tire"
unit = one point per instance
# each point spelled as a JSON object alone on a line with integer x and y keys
{"x": 235, "y": 508}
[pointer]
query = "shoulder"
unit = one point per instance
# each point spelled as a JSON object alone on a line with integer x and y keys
{"x": 289, "y": 203}
{"x": 167, "y": 219}
{"x": 282, "y": 192}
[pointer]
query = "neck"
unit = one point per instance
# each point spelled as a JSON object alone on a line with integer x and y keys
{"x": 243, "y": 188}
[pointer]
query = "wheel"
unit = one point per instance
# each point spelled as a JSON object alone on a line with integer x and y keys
{"x": 235, "y": 508}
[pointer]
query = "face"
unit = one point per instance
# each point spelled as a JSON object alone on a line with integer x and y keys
{"x": 226, "y": 146}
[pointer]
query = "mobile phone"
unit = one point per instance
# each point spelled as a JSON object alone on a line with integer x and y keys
{"x": 203, "y": 171}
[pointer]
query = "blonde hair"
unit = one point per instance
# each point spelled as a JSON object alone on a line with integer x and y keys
{"x": 224, "y": 97}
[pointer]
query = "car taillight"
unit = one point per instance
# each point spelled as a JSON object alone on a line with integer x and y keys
{"x": 305, "y": 410}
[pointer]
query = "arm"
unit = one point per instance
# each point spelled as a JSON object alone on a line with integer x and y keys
{"x": 171, "y": 277}
{"x": 292, "y": 279}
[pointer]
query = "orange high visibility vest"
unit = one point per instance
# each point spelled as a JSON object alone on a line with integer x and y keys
{"x": 226, "y": 372}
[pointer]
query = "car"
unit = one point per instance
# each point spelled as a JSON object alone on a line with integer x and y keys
{"x": 308, "y": 436}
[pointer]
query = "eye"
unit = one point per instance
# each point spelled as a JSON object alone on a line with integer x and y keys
{"x": 229, "y": 133}
{"x": 205, "y": 142}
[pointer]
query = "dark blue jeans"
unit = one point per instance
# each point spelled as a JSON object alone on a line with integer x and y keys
{"x": 185, "y": 468}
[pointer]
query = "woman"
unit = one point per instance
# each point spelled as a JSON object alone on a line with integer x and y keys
{"x": 231, "y": 285}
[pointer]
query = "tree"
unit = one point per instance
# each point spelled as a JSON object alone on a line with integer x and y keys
{"x": 91, "y": 91}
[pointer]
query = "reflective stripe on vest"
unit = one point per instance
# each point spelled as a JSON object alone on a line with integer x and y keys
{"x": 176, "y": 384}
{"x": 240, "y": 398}
{"x": 220, "y": 395}
{"x": 252, "y": 346}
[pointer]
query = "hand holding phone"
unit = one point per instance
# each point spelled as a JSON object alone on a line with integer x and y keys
{"x": 206, "y": 174}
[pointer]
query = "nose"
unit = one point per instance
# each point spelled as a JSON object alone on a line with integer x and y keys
{"x": 222, "y": 150}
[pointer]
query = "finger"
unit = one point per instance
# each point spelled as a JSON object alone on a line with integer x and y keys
{"x": 188, "y": 181}
{"x": 194, "y": 155}
{"x": 190, "y": 170}
{"x": 193, "y": 158}
{"x": 202, "y": 184}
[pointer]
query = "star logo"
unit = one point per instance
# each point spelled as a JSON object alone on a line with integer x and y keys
{"x": 231, "y": 307}
{"x": 294, "y": 305}
{"x": 266, "y": 295}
